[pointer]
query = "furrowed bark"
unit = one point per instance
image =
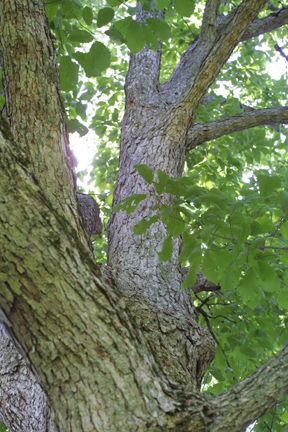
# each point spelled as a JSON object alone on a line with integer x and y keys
{"x": 154, "y": 133}
{"x": 92, "y": 348}
{"x": 254, "y": 396}
{"x": 109, "y": 359}
{"x": 24, "y": 405}
{"x": 200, "y": 133}
{"x": 210, "y": 19}
{"x": 32, "y": 99}
{"x": 143, "y": 76}
{"x": 241, "y": 405}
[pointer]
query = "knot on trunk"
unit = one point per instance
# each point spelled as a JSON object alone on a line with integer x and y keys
{"x": 90, "y": 213}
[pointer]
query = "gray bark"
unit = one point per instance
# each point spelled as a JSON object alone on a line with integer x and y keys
{"x": 24, "y": 405}
{"x": 200, "y": 133}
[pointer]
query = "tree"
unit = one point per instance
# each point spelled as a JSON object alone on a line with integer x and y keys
{"x": 121, "y": 347}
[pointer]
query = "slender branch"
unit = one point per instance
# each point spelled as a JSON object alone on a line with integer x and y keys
{"x": 281, "y": 52}
{"x": 203, "y": 132}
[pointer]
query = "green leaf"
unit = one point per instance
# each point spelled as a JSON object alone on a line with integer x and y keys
{"x": 142, "y": 226}
{"x": 270, "y": 280}
{"x": 167, "y": 249}
{"x": 105, "y": 15}
{"x": 162, "y": 181}
{"x": 145, "y": 172}
{"x": 134, "y": 37}
{"x": 95, "y": 61}
{"x": 160, "y": 28}
{"x": 191, "y": 278}
{"x": 115, "y": 35}
{"x": 68, "y": 74}
{"x": 184, "y": 7}
{"x": 123, "y": 25}
{"x": 249, "y": 286}
{"x": 191, "y": 249}
{"x": 71, "y": 9}
{"x": 87, "y": 14}
{"x": 114, "y": 3}
{"x": 80, "y": 36}
{"x": 267, "y": 183}
{"x": 282, "y": 298}
{"x": 130, "y": 203}
{"x": 51, "y": 9}
{"x": 75, "y": 126}
{"x": 284, "y": 230}
{"x": 176, "y": 226}
{"x": 163, "y": 4}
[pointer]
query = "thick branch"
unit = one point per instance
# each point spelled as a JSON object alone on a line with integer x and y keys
{"x": 83, "y": 337}
{"x": 272, "y": 22}
{"x": 238, "y": 407}
{"x": 254, "y": 396}
{"x": 209, "y": 22}
{"x": 203, "y": 60}
{"x": 144, "y": 68}
{"x": 203, "y": 132}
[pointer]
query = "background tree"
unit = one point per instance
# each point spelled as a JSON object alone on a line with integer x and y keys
{"x": 125, "y": 346}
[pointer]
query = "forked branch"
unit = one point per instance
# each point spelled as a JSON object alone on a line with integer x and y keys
{"x": 203, "y": 60}
{"x": 241, "y": 405}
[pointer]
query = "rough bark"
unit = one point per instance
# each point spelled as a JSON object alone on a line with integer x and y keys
{"x": 277, "y": 19}
{"x": 32, "y": 98}
{"x": 202, "y": 132}
{"x": 117, "y": 350}
{"x": 24, "y": 404}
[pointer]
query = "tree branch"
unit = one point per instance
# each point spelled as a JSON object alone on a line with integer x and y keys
{"x": 202, "y": 61}
{"x": 209, "y": 22}
{"x": 254, "y": 396}
{"x": 240, "y": 406}
{"x": 144, "y": 67}
{"x": 203, "y": 132}
{"x": 272, "y": 22}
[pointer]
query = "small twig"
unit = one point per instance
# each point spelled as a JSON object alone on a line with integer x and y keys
{"x": 281, "y": 51}
{"x": 206, "y": 318}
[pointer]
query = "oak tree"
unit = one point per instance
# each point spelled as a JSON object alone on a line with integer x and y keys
{"x": 198, "y": 226}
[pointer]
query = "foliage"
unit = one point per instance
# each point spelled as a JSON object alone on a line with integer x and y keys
{"x": 231, "y": 207}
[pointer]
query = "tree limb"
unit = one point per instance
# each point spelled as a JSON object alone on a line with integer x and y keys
{"x": 254, "y": 396}
{"x": 209, "y": 22}
{"x": 23, "y": 403}
{"x": 144, "y": 67}
{"x": 203, "y": 132}
{"x": 203, "y": 60}
{"x": 241, "y": 405}
{"x": 272, "y": 22}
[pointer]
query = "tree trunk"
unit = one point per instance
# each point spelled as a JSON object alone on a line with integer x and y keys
{"x": 135, "y": 258}
{"x": 112, "y": 348}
